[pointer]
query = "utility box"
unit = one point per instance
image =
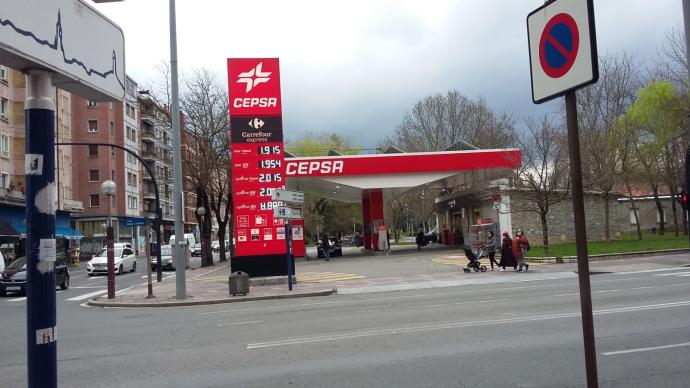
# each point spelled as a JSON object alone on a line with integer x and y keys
{"x": 238, "y": 283}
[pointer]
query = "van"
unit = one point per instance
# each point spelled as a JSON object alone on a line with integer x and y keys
{"x": 189, "y": 237}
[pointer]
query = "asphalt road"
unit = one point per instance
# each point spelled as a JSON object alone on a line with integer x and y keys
{"x": 525, "y": 334}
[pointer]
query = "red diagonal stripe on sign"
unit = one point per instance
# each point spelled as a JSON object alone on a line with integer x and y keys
{"x": 567, "y": 54}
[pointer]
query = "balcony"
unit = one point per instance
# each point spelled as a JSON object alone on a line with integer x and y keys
{"x": 147, "y": 117}
{"x": 148, "y": 135}
{"x": 149, "y": 155}
{"x": 149, "y": 194}
{"x": 12, "y": 196}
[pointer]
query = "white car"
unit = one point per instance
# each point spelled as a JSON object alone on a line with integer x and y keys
{"x": 125, "y": 260}
{"x": 166, "y": 258}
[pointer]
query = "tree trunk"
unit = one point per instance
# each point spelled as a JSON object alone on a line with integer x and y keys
{"x": 607, "y": 215}
{"x": 634, "y": 209}
{"x": 221, "y": 241}
{"x": 676, "y": 230}
{"x": 544, "y": 230}
{"x": 660, "y": 209}
{"x": 206, "y": 232}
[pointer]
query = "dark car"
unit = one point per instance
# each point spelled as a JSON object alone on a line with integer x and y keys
{"x": 196, "y": 249}
{"x": 13, "y": 278}
{"x": 432, "y": 236}
{"x": 335, "y": 248}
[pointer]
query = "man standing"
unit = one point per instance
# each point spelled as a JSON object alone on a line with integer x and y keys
{"x": 326, "y": 247}
{"x": 520, "y": 247}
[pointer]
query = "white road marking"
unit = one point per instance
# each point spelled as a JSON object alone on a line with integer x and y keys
{"x": 17, "y": 299}
{"x": 646, "y": 349}
{"x": 453, "y": 325}
{"x": 649, "y": 270}
{"x": 238, "y": 323}
{"x": 87, "y": 296}
{"x": 206, "y": 273}
{"x": 482, "y": 301}
{"x": 674, "y": 274}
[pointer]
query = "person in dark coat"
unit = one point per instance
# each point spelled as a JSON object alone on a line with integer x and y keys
{"x": 490, "y": 245}
{"x": 507, "y": 253}
{"x": 326, "y": 247}
{"x": 420, "y": 240}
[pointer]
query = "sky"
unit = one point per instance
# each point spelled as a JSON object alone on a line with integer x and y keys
{"x": 355, "y": 68}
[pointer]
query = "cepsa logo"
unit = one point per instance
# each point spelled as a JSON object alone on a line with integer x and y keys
{"x": 315, "y": 167}
{"x": 254, "y": 86}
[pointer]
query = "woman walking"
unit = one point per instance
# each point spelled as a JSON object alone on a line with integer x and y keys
{"x": 520, "y": 247}
{"x": 507, "y": 252}
{"x": 491, "y": 249}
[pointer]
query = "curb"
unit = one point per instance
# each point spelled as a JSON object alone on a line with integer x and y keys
{"x": 96, "y": 303}
{"x": 606, "y": 256}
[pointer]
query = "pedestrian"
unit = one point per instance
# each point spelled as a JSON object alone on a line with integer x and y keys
{"x": 520, "y": 248}
{"x": 491, "y": 249}
{"x": 507, "y": 252}
{"x": 326, "y": 247}
{"x": 420, "y": 240}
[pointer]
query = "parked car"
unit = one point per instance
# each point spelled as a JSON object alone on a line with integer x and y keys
{"x": 122, "y": 245}
{"x": 196, "y": 249}
{"x": 431, "y": 236}
{"x": 335, "y": 248}
{"x": 124, "y": 260}
{"x": 13, "y": 278}
{"x": 215, "y": 245}
{"x": 166, "y": 259}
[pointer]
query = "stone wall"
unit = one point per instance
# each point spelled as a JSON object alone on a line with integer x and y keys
{"x": 561, "y": 224}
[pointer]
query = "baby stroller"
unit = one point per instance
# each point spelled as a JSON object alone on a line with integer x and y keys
{"x": 474, "y": 263}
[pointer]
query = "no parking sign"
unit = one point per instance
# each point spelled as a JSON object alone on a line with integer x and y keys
{"x": 562, "y": 48}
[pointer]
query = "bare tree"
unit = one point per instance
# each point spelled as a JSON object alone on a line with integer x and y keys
{"x": 205, "y": 105}
{"x": 439, "y": 121}
{"x": 543, "y": 175}
{"x": 599, "y": 107}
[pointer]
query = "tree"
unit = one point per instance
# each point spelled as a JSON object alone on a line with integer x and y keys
{"x": 440, "y": 121}
{"x": 599, "y": 106}
{"x": 543, "y": 175}
{"x": 655, "y": 119}
{"x": 205, "y": 104}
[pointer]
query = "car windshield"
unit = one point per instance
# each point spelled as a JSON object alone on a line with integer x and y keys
{"x": 18, "y": 264}
{"x": 104, "y": 252}
{"x": 166, "y": 251}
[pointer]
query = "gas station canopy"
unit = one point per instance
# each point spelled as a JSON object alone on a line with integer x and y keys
{"x": 343, "y": 177}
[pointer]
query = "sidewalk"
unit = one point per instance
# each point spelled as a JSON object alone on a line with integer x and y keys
{"x": 351, "y": 274}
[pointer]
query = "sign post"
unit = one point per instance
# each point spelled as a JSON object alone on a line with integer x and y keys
{"x": 563, "y": 58}
{"x": 288, "y": 213}
{"x": 52, "y": 42}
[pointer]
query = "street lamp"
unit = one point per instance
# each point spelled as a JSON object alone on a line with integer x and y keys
{"x": 108, "y": 188}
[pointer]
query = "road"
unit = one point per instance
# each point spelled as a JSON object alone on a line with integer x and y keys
{"x": 524, "y": 334}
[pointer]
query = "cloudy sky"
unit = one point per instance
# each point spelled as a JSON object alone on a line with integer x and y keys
{"x": 355, "y": 67}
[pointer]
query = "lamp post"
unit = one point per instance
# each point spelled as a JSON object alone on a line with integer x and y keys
{"x": 108, "y": 188}
{"x": 201, "y": 212}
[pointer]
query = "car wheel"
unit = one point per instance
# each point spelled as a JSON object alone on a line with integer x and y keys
{"x": 134, "y": 267}
{"x": 65, "y": 283}
{"x": 120, "y": 270}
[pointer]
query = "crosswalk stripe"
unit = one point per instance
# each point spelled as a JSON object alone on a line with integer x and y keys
{"x": 89, "y": 295}
{"x": 323, "y": 277}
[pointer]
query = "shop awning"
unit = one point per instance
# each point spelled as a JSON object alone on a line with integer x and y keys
{"x": 6, "y": 230}
{"x": 60, "y": 231}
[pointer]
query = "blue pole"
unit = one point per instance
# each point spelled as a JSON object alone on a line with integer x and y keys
{"x": 41, "y": 204}
{"x": 289, "y": 263}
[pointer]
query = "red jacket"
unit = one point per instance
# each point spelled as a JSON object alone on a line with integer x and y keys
{"x": 519, "y": 243}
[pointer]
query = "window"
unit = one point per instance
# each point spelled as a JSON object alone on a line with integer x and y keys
{"x": 112, "y": 175}
{"x": 131, "y": 179}
{"x": 93, "y": 126}
{"x": 131, "y": 133}
{"x": 110, "y": 105}
{"x": 4, "y": 146}
{"x": 93, "y": 176}
{"x": 93, "y": 151}
{"x": 4, "y": 109}
{"x": 112, "y": 152}
{"x": 112, "y": 127}
{"x": 4, "y": 180}
{"x": 132, "y": 159}
{"x": 3, "y": 74}
{"x": 91, "y": 104}
{"x": 94, "y": 200}
{"x": 132, "y": 202}
{"x": 134, "y": 180}
{"x": 130, "y": 110}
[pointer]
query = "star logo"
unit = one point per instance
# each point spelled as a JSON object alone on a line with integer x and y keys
{"x": 254, "y": 77}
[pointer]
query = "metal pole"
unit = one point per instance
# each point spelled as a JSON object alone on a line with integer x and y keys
{"x": 111, "y": 254}
{"x": 41, "y": 329}
{"x": 686, "y": 22}
{"x": 180, "y": 242}
{"x": 581, "y": 240}
{"x": 289, "y": 262}
{"x": 148, "y": 259}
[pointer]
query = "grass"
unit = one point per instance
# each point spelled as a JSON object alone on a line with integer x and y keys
{"x": 627, "y": 243}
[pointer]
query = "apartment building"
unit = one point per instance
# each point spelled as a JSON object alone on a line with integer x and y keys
{"x": 12, "y": 150}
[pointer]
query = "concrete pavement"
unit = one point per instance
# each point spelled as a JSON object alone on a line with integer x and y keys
{"x": 356, "y": 273}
